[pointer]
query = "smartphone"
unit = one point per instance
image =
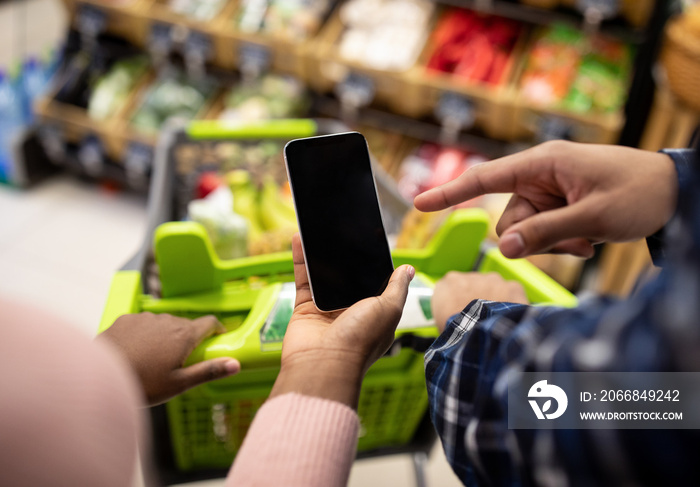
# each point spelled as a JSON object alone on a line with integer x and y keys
{"x": 342, "y": 233}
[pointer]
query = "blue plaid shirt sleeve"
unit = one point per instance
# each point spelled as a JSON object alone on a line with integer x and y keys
{"x": 452, "y": 363}
{"x": 469, "y": 365}
{"x": 683, "y": 160}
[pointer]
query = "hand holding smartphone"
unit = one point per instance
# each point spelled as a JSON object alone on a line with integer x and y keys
{"x": 342, "y": 233}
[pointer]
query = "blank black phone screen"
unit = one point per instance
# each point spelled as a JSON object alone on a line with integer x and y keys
{"x": 345, "y": 245}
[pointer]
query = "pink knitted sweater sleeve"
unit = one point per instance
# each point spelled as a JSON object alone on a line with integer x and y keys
{"x": 69, "y": 406}
{"x": 297, "y": 440}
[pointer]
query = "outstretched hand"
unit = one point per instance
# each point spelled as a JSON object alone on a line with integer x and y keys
{"x": 326, "y": 354}
{"x": 156, "y": 347}
{"x": 569, "y": 196}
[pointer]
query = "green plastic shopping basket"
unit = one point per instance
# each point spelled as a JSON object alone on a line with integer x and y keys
{"x": 253, "y": 298}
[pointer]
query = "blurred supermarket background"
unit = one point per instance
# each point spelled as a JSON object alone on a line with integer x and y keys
{"x": 435, "y": 86}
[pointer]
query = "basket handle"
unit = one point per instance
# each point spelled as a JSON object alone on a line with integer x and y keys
{"x": 263, "y": 129}
{"x": 455, "y": 246}
{"x": 189, "y": 265}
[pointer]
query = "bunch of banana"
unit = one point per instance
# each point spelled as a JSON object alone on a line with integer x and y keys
{"x": 417, "y": 228}
{"x": 270, "y": 215}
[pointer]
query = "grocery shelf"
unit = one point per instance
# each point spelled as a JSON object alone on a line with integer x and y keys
{"x": 73, "y": 157}
{"x": 421, "y": 129}
{"x": 616, "y": 27}
{"x": 409, "y": 100}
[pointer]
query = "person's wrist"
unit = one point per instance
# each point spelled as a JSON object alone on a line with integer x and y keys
{"x": 672, "y": 175}
{"x": 332, "y": 375}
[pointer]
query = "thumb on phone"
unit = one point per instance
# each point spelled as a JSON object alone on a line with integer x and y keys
{"x": 397, "y": 289}
{"x": 393, "y": 299}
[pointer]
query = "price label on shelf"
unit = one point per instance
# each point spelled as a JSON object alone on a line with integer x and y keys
{"x": 53, "y": 139}
{"x": 598, "y": 9}
{"x": 90, "y": 20}
{"x": 91, "y": 155}
{"x": 254, "y": 59}
{"x": 199, "y": 45}
{"x": 553, "y": 128}
{"x": 137, "y": 164}
{"x": 356, "y": 90}
{"x": 198, "y": 49}
{"x": 483, "y": 5}
{"x": 455, "y": 110}
{"x": 160, "y": 42}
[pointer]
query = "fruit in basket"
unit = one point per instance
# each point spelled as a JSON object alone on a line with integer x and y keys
{"x": 569, "y": 70}
{"x": 208, "y": 183}
{"x": 275, "y": 212}
{"x": 271, "y": 221}
{"x": 428, "y": 166}
{"x": 448, "y": 164}
{"x": 245, "y": 201}
{"x": 476, "y": 48}
{"x": 551, "y": 65}
{"x": 601, "y": 80}
{"x": 595, "y": 88}
{"x": 417, "y": 228}
{"x": 278, "y": 219}
{"x": 227, "y": 231}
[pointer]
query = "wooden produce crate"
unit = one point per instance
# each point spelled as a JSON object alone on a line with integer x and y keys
{"x": 671, "y": 123}
{"x": 160, "y": 11}
{"x": 595, "y": 128}
{"x": 273, "y": 51}
{"x": 325, "y": 68}
{"x": 622, "y": 266}
{"x": 183, "y": 28}
{"x": 680, "y": 58}
{"x": 215, "y": 107}
{"x": 127, "y": 136}
{"x": 541, "y": 3}
{"x": 493, "y": 106}
{"x": 531, "y": 118}
{"x": 127, "y": 19}
{"x": 565, "y": 269}
{"x": 386, "y": 147}
{"x": 405, "y": 148}
{"x": 636, "y": 12}
{"x": 76, "y": 125}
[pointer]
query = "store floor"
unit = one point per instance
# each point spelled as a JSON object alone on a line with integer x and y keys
{"x": 61, "y": 242}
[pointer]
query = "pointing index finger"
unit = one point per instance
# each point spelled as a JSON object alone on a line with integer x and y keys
{"x": 497, "y": 176}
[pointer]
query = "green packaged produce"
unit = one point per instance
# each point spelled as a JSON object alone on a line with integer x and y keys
{"x": 170, "y": 97}
{"x": 269, "y": 97}
{"x": 291, "y": 19}
{"x": 198, "y": 9}
{"x": 113, "y": 88}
